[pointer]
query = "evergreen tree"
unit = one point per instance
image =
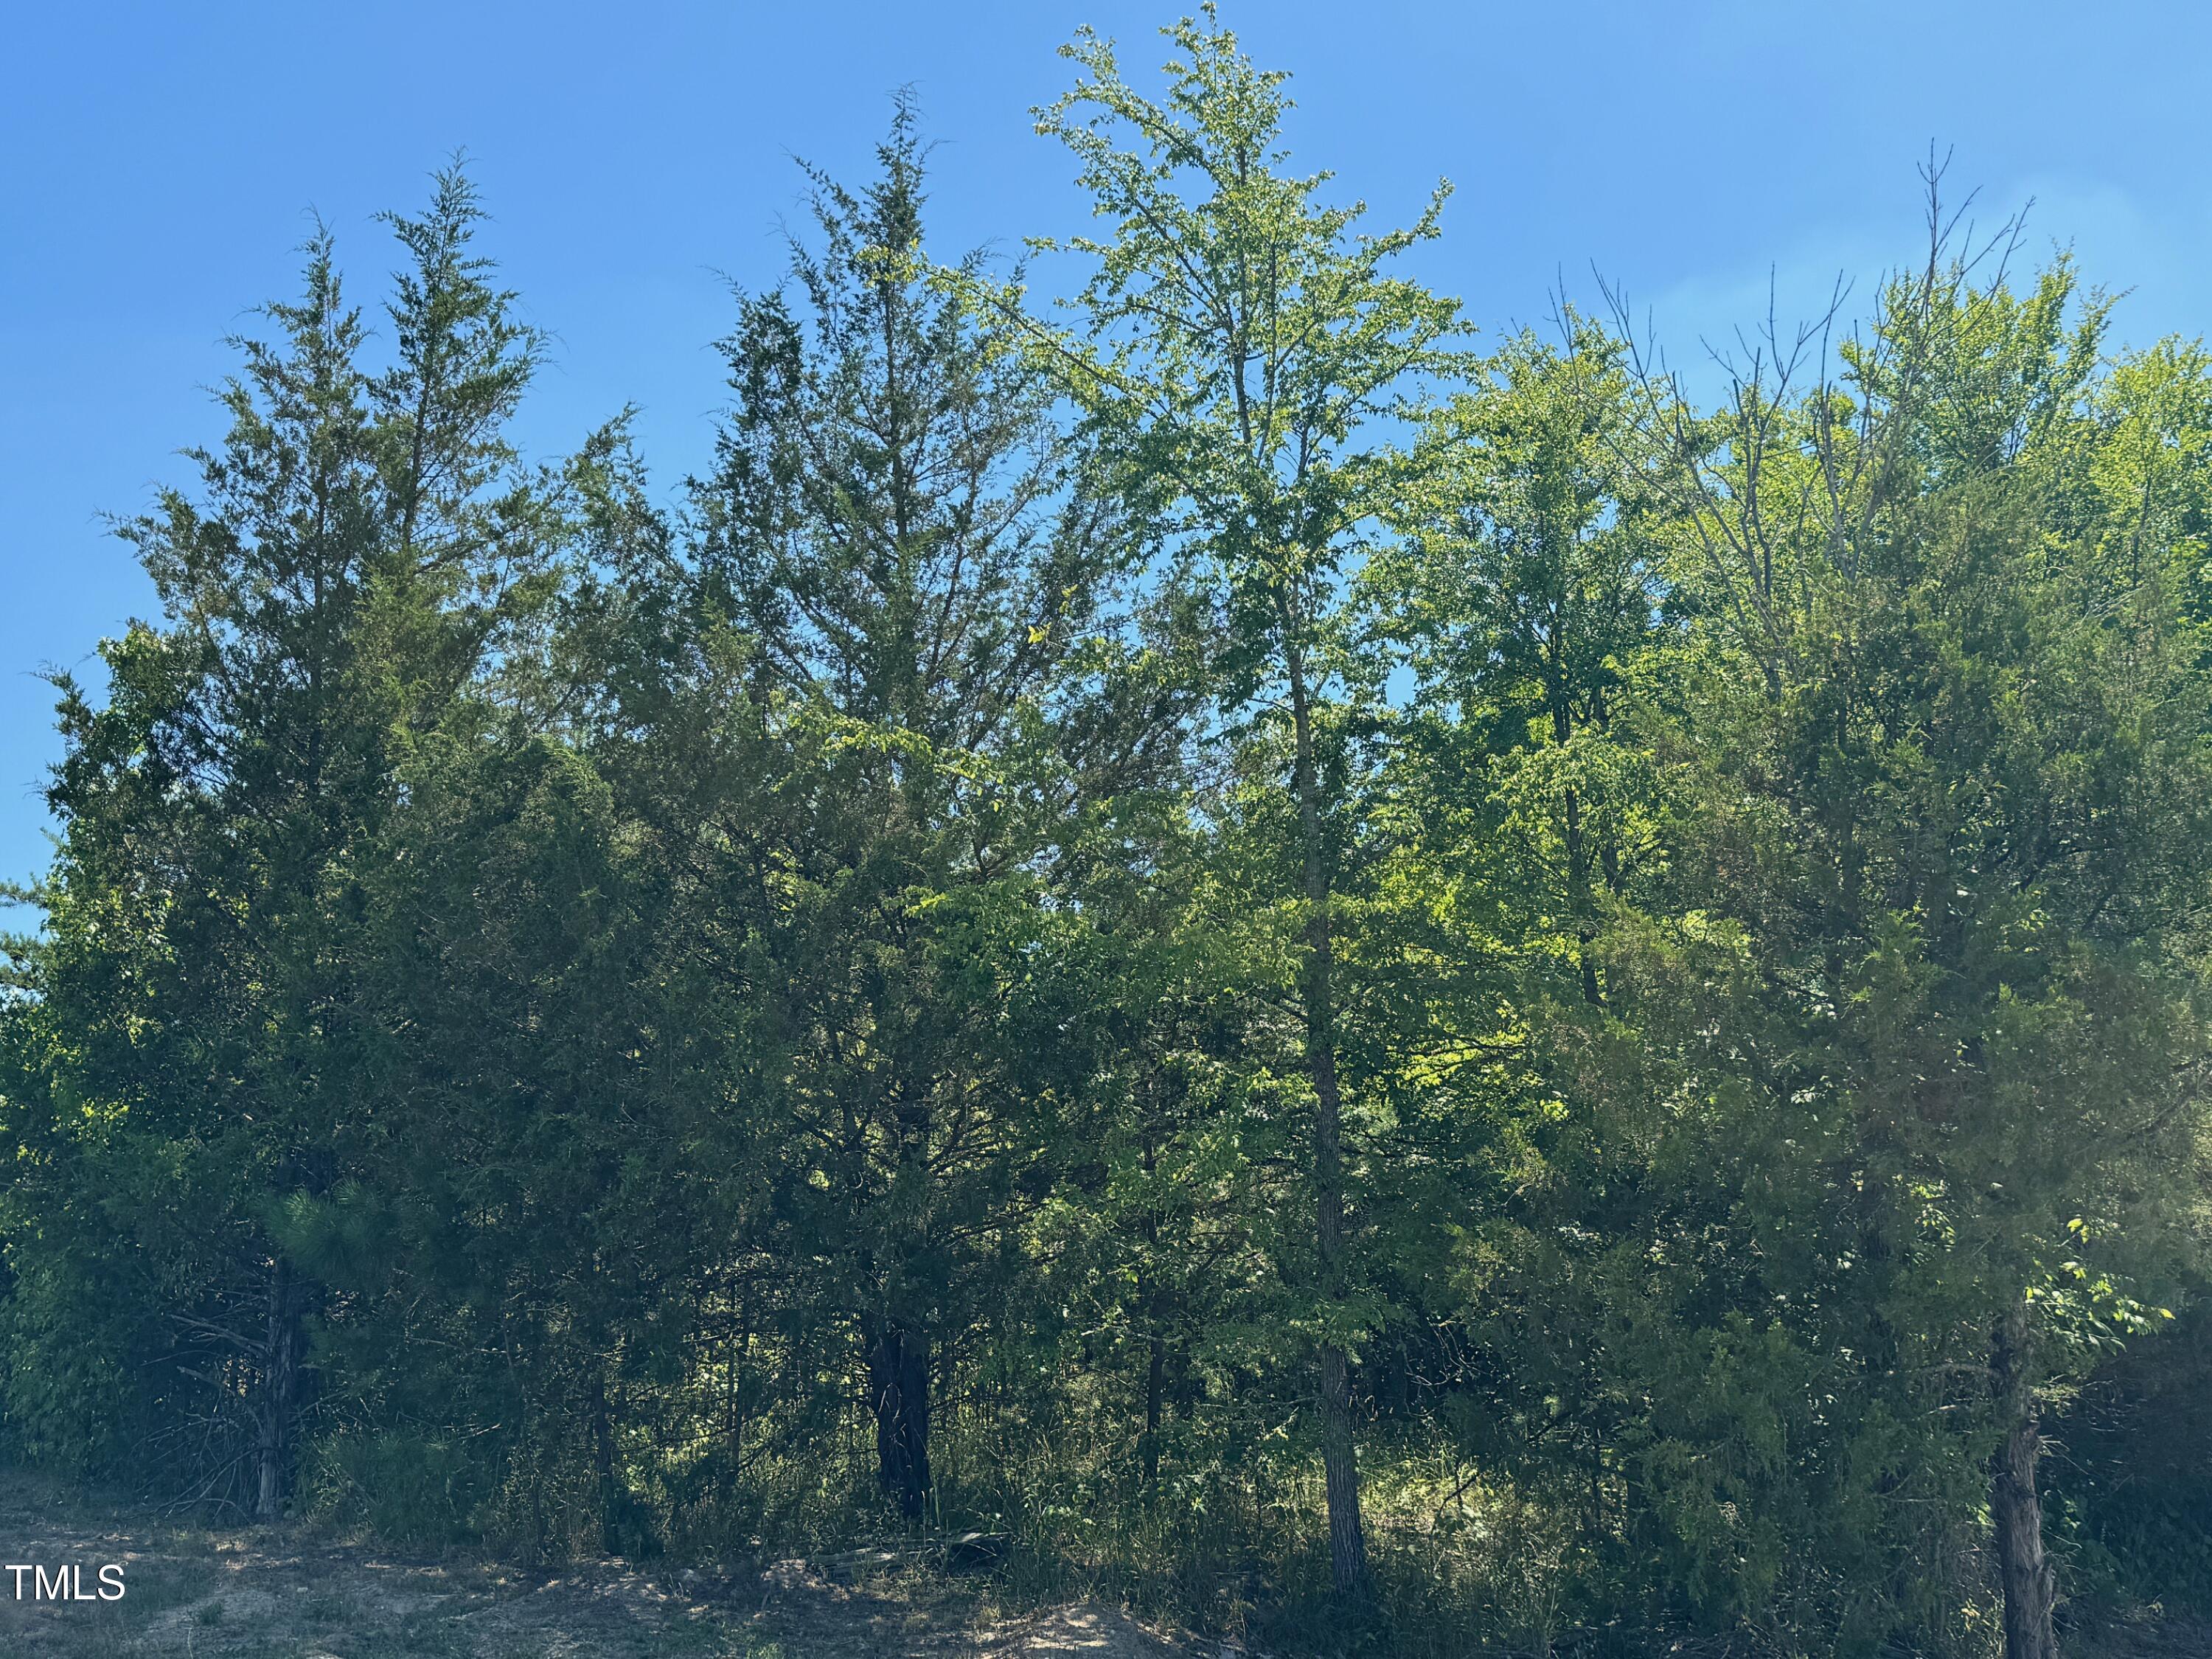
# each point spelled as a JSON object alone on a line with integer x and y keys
{"x": 1089, "y": 898}
{"x": 896, "y": 525}
{"x": 349, "y": 563}
{"x": 1959, "y": 754}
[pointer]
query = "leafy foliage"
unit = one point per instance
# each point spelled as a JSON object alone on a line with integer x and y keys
{"x": 1383, "y": 993}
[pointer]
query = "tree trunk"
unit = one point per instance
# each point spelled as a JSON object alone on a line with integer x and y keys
{"x": 898, "y": 1394}
{"x": 1579, "y": 891}
{"x": 1578, "y": 874}
{"x": 1347, "y": 1539}
{"x": 280, "y": 1388}
{"x": 603, "y": 1470}
{"x": 2016, "y": 1512}
{"x": 1155, "y": 1389}
{"x": 1150, "y": 1300}
{"x": 734, "y": 1382}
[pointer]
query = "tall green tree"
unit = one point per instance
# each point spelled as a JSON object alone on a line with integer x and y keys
{"x": 1239, "y": 342}
{"x": 1527, "y": 595}
{"x": 1976, "y": 739}
{"x": 357, "y": 547}
{"x": 896, "y": 525}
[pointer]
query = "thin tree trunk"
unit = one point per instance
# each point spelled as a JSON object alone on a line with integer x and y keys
{"x": 280, "y": 1386}
{"x": 1579, "y": 877}
{"x": 1150, "y": 1300}
{"x": 603, "y": 1470}
{"x": 738, "y": 1354}
{"x": 1579, "y": 888}
{"x": 2015, "y": 1510}
{"x": 1155, "y": 1387}
{"x": 898, "y": 1394}
{"x": 1347, "y": 1539}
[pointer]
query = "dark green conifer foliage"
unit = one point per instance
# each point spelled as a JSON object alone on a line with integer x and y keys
{"x": 1947, "y": 762}
{"x": 1301, "y": 973}
{"x": 346, "y": 566}
{"x": 896, "y": 527}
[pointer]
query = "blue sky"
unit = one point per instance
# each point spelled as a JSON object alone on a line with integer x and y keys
{"x": 158, "y": 164}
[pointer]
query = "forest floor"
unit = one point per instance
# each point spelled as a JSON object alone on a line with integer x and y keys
{"x": 201, "y": 1592}
{"x": 195, "y": 1592}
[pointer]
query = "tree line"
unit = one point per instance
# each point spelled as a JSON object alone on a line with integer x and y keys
{"x": 1346, "y": 969}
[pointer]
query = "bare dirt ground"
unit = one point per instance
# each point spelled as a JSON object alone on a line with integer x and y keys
{"x": 196, "y": 1592}
{"x": 200, "y": 1593}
